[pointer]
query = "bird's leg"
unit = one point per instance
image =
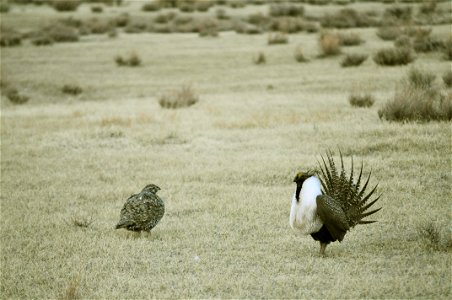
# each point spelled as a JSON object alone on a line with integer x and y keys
{"x": 322, "y": 249}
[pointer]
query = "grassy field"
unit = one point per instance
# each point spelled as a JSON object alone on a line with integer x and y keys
{"x": 225, "y": 166}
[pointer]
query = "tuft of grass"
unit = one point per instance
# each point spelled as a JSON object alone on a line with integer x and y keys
{"x": 60, "y": 33}
{"x": 183, "y": 97}
{"x": 403, "y": 41}
{"x": 393, "y": 56}
{"x": 352, "y": 60}
{"x": 259, "y": 59}
{"x": 80, "y": 221}
{"x": 389, "y": 33}
{"x": 208, "y": 28}
{"x": 299, "y": 55}
{"x": 132, "y": 61}
{"x": 329, "y": 43}
{"x": 433, "y": 237}
{"x": 277, "y": 38}
{"x": 447, "y": 78}
{"x": 418, "y": 100}
{"x": 361, "y": 100}
{"x": 71, "y": 89}
{"x": 71, "y": 292}
{"x": 13, "y": 95}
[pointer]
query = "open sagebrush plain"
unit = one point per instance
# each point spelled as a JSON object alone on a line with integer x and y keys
{"x": 225, "y": 166}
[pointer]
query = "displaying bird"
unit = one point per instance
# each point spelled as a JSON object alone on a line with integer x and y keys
{"x": 142, "y": 211}
{"x": 327, "y": 202}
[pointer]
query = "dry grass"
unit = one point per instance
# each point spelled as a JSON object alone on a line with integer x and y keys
{"x": 329, "y": 43}
{"x": 225, "y": 167}
{"x": 178, "y": 98}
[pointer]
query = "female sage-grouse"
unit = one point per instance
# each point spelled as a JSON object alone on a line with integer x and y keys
{"x": 142, "y": 211}
{"x": 327, "y": 203}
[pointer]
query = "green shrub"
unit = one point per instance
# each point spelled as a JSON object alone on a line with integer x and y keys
{"x": 447, "y": 78}
{"x": 71, "y": 89}
{"x": 330, "y": 43}
{"x": 350, "y": 39}
{"x": 299, "y": 55}
{"x": 151, "y": 6}
{"x": 418, "y": 100}
{"x": 97, "y": 9}
{"x": 351, "y": 60}
{"x": 13, "y": 95}
{"x": 284, "y": 9}
{"x": 277, "y": 38}
{"x": 347, "y": 18}
{"x": 66, "y": 5}
{"x": 389, "y": 33}
{"x": 403, "y": 41}
{"x": 10, "y": 38}
{"x": 394, "y": 56}
{"x": 361, "y": 100}
{"x": 420, "y": 79}
{"x": 183, "y": 97}
{"x": 4, "y": 7}
{"x": 132, "y": 61}
{"x": 259, "y": 59}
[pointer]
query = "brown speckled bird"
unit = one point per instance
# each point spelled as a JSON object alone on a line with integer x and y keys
{"x": 142, "y": 211}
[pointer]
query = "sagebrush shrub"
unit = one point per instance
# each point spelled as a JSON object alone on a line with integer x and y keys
{"x": 351, "y": 60}
{"x": 66, "y": 5}
{"x": 433, "y": 237}
{"x": 208, "y": 28}
{"x": 447, "y": 78}
{"x": 348, "y": 18}
{"x": 285, "y": 9}
{"x": 286, "y": 24}
{"x": 42, "y": 40}
{"x": 418, "y": 101}
{"x": 97, "y": 9}
{"x": 420, "y": 79}
{"x": 277, "y": 38}
{"x": 330, "y": 43}
{"x": 133, "y": 60}
{"x": 13, "y": 95}
{"x": 61, "y": 33}
{"x": 151, "y": 6}
{"x": 389, "y": 33}
{"x": 448, "y": 49}
{"x": 350, "y": 39}
{"x": 299, "y": 55}
{"x": 259, "y": 59}
{"x": 72, "y": 89}
{"x": 361, "y": 100}
{"x": 183, "y": 97}
{"x": 394, "y": 56}
{"x": 10, "y": 39}
{"x": 4, "y": 7}
{"x": 403, "y": 41}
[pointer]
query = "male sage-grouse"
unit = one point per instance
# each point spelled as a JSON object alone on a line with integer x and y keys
{"x": 327, "y": 202}
{"x": 142, "y": 211}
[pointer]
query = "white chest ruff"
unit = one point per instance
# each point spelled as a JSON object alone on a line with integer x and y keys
{"x": 303, "y": 213}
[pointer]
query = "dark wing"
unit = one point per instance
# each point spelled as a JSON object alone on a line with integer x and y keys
{"x": 332, "y": 216}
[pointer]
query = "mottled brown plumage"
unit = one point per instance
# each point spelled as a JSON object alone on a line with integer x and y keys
{"x": 142, "y": 211}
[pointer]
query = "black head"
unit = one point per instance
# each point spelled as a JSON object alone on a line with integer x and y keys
{"x": 302, "y": 176}
{"x": 152, "y": 188}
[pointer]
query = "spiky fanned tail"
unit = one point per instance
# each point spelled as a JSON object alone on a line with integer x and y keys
{"x": 344, "y": 190}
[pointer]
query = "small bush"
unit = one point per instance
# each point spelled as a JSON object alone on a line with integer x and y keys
{"x": 151, "y": 6}
{"x": 164, "y": 17}
{"x": 420, "y": 79}
{"x": 448, "y": 49}
{"x": 66, "y": 5}
{"x": 259, "y": 59}
{"x": 80, "y": 221}
{"x": 299, "y": 56}
{"x": 203, "y": 6}
{"x": 122, "y": 20}
{"x": 330, "y": 44}
{"x": 277, "y": 38}
{"x": 403, "y": 41}
{"x": 221, "y": 14}
{"x": 61, "y": 33}
{"x": 418, "y": 100}
{"x": 10, "y": 38}
{"x": 71, "y": 89}
{"x": 427, "y": 44}
{"x": 350, "y": 39}
{"x": 13, "y": 95}
{"x": 208, "y": 28}
{"x": 347, "y": 18}
{"x": 136, "y": 26}
{"x": 361, "y": 100}
{"x": 447, "y": 78}
{"x": 42, "y": 40}
{"x": 247, "y": 28}
{"x": 433, "y": 237}
{"x": 389, "y": 33}
{"x": 97, "y": 26}
{"x": 284, "y": 9}
{"x": 132, "y": 61}
{"x": 4, "y": 7}
{"x": 402, "y": 13}
{"x": 394, "y": 56}
{"x": 287, "y": 24}
{"x": 183, "y": 97}
{"x": 352, "y": 60}
{"x": 97, "y": 9}
{"x": 310, "y": 27}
